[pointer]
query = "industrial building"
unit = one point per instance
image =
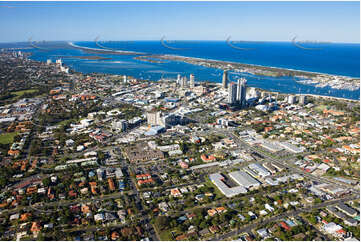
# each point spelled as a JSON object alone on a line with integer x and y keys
{"x": 218, "y": 179}
{"x": 347, "y": 210}
{"x": 272, "y": 147}
{"x": 260, "y": 170}
{"x": 290, "y": 147}
{"x": 243, "y": 179}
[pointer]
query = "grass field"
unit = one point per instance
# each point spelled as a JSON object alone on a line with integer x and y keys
{"x": 22, "y": 92}
{"x": 7, "y": 138}
{"x": 165, "y": 235}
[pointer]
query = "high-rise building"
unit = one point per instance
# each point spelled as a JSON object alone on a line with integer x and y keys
{"x": 178, "y": 79}
{"x": 241, "y": 91}
{"x": 303, "y": 100}
{"x": 59, "y": 62}
{"x": 191, "y": 80}
{"x": 232, "y": 93}
{"x": 291, "y": 99}
{"x": 184, "y": 82}
{"x": 225, "y": 79}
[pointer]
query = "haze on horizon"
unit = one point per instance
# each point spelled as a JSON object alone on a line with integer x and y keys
{"x": 249, "y": 21}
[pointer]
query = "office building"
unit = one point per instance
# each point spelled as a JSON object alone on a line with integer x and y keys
{"x": 225, "y": 79}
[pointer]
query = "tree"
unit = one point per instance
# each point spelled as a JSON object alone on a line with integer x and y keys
{"x": 162, "y": 222}
{"x": 46, "y": 181}
{"x": 312, "y": 220}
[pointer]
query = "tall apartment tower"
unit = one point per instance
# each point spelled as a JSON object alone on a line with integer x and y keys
{"x": 291, "y": 99}
{"x": 178, "y": 79}
{"x": 241, "y": 91}
{"x": 303, "y": 100}
{"x": 225, "y": 79}
{"x": 232, "y": 93}
{"x": 191, "y": 81}
{"x": 184, "y": 82}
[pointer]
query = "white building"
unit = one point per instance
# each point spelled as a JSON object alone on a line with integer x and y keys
{"x": 218, "y": 179}
{"x": 269, "y": 207}
{"x": 291, "y": 99}
{"x": 260, "y": 170}
{"x": 120, "y": 125}
{"x": 243, "y": 179}
{"x": 232, "y": 93}
{"x": 191, "y": 81}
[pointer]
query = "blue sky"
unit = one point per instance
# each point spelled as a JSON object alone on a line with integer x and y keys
{"x": 264, "y": 21}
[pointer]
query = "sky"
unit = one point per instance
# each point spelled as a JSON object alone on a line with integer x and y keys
{"x": 250, "y": 21}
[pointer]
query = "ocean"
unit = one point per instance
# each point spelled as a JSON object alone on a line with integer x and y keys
{"x": 329, "y": 58}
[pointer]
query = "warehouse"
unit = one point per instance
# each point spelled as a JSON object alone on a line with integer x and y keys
{"x": 290, "y": 147}
{"x": 243, "y": 179}
{"x": 346, "y": 209}
{"x": 260, "y": 170}
{"x": 272, "y": 147}
{"x": 218, "y": 179}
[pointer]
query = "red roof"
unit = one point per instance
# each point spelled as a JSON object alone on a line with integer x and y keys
{"x": 285, "y": 226}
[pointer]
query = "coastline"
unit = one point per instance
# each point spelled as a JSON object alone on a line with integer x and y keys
{"x": 255, "y": 65}
{"x": 274, "y": 68}
{"x": 273, "y": 92}
{"x": 208, "y": 62}
{"x": 122, "y": 52}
